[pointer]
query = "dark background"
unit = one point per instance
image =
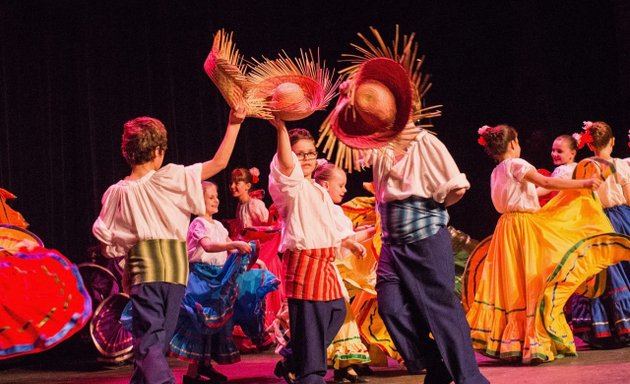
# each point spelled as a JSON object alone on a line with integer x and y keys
{"x": 72, "y": 72}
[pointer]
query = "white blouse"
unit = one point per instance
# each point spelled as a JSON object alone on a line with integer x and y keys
{"x": 510, "y": 193}
{"x": 564, "y": 171}
{"x": 611, "y": 191}
{"x": 253, "y": 213}
{"x": 426, "y": 170}
{"x": 306, "y": 210}
{"x": 156, "y": 206}
{"x": 215, "y": 232}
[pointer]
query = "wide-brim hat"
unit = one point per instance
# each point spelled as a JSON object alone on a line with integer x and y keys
{"x": 375, "y": 105}
{"x": 293, "y": 88}
{"x": 224, "y": 65}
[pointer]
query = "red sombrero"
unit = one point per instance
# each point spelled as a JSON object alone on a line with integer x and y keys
{"x": 375, "y": 107}
{"x": 382, "y": 94}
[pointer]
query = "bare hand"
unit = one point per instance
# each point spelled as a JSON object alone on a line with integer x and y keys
{"x": 358, "y": 250}
{"x": 242, "y": 247}
{"x": 237, "y": 114}
{"x": 593, "y": 183}
{"x": 278, "y": 123}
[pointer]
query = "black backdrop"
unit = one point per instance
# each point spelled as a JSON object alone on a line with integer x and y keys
{"x": 71, "y": 72}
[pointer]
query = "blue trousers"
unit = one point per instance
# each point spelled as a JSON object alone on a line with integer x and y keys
{"x": 415, "y": 292}
{"x": 314, "y": 325}
{"x": 155, "y": 313}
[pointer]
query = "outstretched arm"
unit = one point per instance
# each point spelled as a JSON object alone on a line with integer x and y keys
{"x": 222, "y": 156}
{"x": 554, "y": 183}
{"x": 285, "y": 160}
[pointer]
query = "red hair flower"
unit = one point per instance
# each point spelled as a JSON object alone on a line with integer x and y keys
{"x": 255, "y": 172}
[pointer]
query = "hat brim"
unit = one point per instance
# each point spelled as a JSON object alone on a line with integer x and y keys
{"x": 351, "y": 128}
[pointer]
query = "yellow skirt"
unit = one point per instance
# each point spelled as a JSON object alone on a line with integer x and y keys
{"x": 347, "y": 349}
{"x": 533, "y": 264}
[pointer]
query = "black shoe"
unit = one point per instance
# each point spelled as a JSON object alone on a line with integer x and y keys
{"x": 363, "y": 370}
{"x": 347, "y": 375}
{"x": 209, "y": 372}
{"x": 195, "y": 380}
{"x": 438, "y": 374}
{"x": 281, "y": 370}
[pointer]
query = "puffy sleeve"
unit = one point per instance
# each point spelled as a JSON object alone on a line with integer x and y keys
{"x": 440, "y": 172}
{"x": 258, "y": 211}
{"x": 184, "y": 185}
{"x": 283, "y": 188}
{"x": 519, "y": 168}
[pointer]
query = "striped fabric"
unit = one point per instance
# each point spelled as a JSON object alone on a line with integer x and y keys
{"x": 310, "y": 274}
{"x": 157, "y": 260}
{"x": 415, "y": 218}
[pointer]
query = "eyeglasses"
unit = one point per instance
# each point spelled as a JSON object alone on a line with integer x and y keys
{"x": 307, "y": 155}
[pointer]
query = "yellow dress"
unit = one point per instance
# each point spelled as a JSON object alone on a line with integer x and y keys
{"x": 524, "y": 275}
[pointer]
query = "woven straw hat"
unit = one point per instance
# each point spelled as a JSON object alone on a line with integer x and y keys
{"x": 375, "y": 105}
{"x": 224, "y": 65}
{"x": 382, "y": 93}
{"x": 293, "y": 88}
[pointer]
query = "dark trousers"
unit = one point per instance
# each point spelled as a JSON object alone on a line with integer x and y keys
{"x": 314, "y": 324}
{"x": 415, "y": 291}
{"x": 155, "y": 313}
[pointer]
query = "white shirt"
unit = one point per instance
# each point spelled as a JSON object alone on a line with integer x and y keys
{"x": 156, "y": 206}
{"x": 510, "y": 193}
{"x": 215, "y": 231}
{"x": 306, "y": 210}
{"x": 611, "y": 191}
{"x": 426, "y": 170}
{"x": 564, "y": 171}
{"x": 253, "y": 213}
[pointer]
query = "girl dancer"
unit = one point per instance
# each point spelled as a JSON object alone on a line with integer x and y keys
{"x": 528, "y": 273}
{"x": 604, "y": 322}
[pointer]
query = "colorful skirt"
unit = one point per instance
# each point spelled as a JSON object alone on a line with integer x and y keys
{"x": 346, "y": 348}
{"x": 533, "y": 264}
{"x": 204, "y": 326}
{"x": 604, "y": 322}
{"x": 42, "y": 300}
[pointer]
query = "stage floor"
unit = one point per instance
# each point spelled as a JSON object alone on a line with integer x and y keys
{"x": 590, "y": 367}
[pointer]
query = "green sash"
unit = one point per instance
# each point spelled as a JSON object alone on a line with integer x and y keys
{"x": 157, "y": 260}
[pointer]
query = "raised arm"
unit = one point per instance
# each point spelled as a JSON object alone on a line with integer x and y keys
{"x": 222, "y": 156}
{"x": 285, "y": 160}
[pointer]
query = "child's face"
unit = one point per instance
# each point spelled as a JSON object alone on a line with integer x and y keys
{"x": 561, "y": 153}
{"x": 211, "y": 198}
{"x": 336, "y": 186}
{"x": 307, "y": 155}
{"x": 239, "y": 188}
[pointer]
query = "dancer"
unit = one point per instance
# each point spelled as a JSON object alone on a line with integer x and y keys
{"x": 530, "y": 257}
{"x": 145, "y": 218}
{"x": 346, "y": 349}
{"x": 309, "y": 244}
{"x": 251, "y": 210}
{"x": 210, "y": 295}
{"x": 604, "y": 322}
{"x": 563, "y": 151}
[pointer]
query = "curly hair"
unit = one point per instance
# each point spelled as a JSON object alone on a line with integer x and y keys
{"x": 496, "y": 139}
{"x": 141, "y": 136}
{"x": 601, "y": 134}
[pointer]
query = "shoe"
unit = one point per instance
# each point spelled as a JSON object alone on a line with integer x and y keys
{"x": 363, "y": 370}
{"x": 212, "y": 374}
{"x": 347, "y": 375}
{"x": 195, "y": 380}
{"x": 281, "y": 370}
{"x": 438, "y": 374}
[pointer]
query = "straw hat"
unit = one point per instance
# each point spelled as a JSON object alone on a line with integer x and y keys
{"x": 382, "y": 93}
{"x": 374, "y": 106}
{"x": 293, "y": 88}
{"x": 224, "y": 65}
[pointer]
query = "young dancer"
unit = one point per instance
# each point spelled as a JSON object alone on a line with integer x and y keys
{"x": 211, "y": 293}
{"x": 346, "y": 349}
{"x": 563, "y": 151}
{"x": 529, "y": 258}
{"x": 310, "y": 242}
{"x": 250, "y": 211}
{"x": 145, "y": 218}
{"x": 605, "y": 321}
